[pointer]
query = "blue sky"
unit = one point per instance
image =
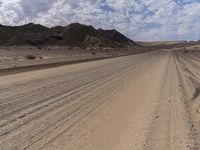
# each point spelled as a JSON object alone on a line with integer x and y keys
{"x": 141, "y": 20}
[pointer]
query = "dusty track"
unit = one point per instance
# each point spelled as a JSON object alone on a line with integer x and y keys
{"x": 147, "y": 101}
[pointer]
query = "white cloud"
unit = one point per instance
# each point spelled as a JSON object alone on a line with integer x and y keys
{"x": 140, "y": 20}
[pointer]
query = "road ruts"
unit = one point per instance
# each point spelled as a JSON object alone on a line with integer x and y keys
{"x": 145, "y": 101}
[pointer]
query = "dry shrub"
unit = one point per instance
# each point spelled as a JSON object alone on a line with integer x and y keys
{"x": 31, "y": 57}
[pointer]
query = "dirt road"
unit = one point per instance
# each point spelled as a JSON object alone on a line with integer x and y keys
{"x": 147, "y": 101}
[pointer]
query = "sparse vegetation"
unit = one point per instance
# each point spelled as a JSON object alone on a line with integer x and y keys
{"x": 7, "y": 49}
{"x": 31, "y": 57}
{"x": 106, "y": 50}
{"x": 39, "y": 47}
{"x": 70, "y": 48}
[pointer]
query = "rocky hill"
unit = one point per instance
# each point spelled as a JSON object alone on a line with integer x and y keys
{"x": 75, "y": 35}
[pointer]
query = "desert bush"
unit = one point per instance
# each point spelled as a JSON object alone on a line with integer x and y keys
{"x": 106, "y": 50}
{"x": 39, "y": 47}
{"x": 7, "y": 49}
{"x": 70, "y": 48}
{"x": 31, "y": 57}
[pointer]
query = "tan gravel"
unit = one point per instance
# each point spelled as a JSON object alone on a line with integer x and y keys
{"x": 147, "y": 101}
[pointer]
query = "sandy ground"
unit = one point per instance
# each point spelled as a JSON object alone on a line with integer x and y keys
{"x": 148, "y": 101}
{"x": 18, "y": 56}
{"x": 161, "y": 43}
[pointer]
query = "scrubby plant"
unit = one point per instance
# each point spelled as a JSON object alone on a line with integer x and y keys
{"x": 31, "y": 57}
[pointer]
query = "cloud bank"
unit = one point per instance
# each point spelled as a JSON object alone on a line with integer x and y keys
{"x": 145, "y": 20}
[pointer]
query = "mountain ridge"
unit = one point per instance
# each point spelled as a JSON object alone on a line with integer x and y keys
{"x": 75, "y": 35}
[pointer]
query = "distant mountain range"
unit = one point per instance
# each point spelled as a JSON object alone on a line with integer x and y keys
{"x": 74, "y": 35}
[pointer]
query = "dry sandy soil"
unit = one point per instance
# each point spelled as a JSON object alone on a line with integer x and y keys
{"x": 18, "y": 56}
{"x": 161, "y": 43}
{"x": 148, "y": 101}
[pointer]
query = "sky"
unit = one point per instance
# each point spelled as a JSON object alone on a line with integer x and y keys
{"x": 140, "y": 20}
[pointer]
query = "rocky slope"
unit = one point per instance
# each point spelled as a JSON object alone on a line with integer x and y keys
{"x": 76, "y": 35}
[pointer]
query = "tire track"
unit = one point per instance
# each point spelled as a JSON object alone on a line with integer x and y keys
{"x": 39, "y": 115}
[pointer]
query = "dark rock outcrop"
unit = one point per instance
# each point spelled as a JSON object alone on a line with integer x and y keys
{"x": 75, "y": 35}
